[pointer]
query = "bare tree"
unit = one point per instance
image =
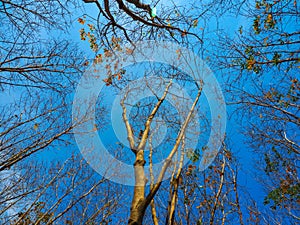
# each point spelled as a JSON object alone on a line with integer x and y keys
{"x": 67, "y": 194}
{"x": 264, "y": 61}
{"x": 41, "y": 74}
{"x": 145, "y": 123}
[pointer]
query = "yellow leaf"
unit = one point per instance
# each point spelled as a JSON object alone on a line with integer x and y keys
{"x": 268, "y": 95}
{"x": 98, "y": 58}
{"x": 269, "y": 18}
{"x": 195, "y": 23}
{"x": 35, "y": 126}
{"x": 81, "y": 21}
{"x": 129, "y": 51}
{"x": 250, "y": 63}
{"x": 95, "y": 127}
{"x": 107, "y": 53}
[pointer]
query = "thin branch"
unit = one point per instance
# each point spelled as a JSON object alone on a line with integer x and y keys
{"x": 173, "y": 151}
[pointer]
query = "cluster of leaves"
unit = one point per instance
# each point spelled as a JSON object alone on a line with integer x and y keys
{"x": 285, "y": 99}
{"x": 287, "y": 193}
{"x": 265, "y": 20}
{"x": 193, "y": 155}
{"x": 108, "y": 54}
{"x": 250, "y": 63}
{"x": 89, "y": 35}
{"x": 282, "y": 196}
{"x": 272, "y": 40}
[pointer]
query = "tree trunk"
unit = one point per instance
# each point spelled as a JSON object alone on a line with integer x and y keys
{"x": 137, "y": 210}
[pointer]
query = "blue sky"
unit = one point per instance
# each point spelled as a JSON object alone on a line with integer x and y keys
{"x": 246, "y": 157}
{"x": 229, "y": 23}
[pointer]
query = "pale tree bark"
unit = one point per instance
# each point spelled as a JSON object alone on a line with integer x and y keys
{"x": 211, "y": 222}
{"x": 139, "y": 201}
{"x": 137, "y": 206}
{"x": 152, "y": 204}
{"x": 175, "y": 182}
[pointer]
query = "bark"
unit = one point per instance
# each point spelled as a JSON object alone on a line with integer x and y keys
{"x": 136, "y": 210}
{"x": 139, "y": 204}
{"x": 177, "y": 180}
{"x": 152, "y": 204}
{"x": 153, "y": 212}
{"x": 211, "y": 222}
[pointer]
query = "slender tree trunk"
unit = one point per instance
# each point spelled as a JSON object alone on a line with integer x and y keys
{"x": 172, "y": 205}
{"x": 136, "y": 210}
{"x": 139, "y": 203}
{"x": 176, "y": 181}
{"x": 152, "y": 204}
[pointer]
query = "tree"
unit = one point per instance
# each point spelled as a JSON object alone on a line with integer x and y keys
{"x": 135, "y": 20}
{"x": 142, "y": 18}
{"x": 38, "y": 73}
{"x": 165, "y": 132}
{"x": 266, "y": 59}
{"x": 144, "y": 121}
{"x": 139, "y": 201}
{"x": 105, "y": 34}
{"x": 66, "y": 195}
